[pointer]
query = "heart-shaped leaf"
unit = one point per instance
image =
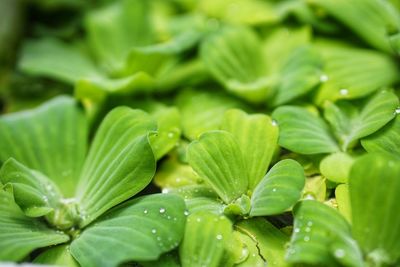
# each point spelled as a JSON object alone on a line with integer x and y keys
{"x": 234, "y": 57}
{"x": 51, "y": 139}
{"x": 217, "y": 158}
{"x": 20, "y": 234}
{"x": 279, "y": 189}
{"x": 351, "y": 124}
{"x": 271, "y": 242}
{"x": 208, "y": 241}
{"x": 375, "y": 226}
{"x": 303, "y": 132}
{"x": 386, "y": 140}
{"x": 143, "y": 229}
{"x": 119, "y": 165}
{"x": 257, "y": 137}
{"x": 321, "y": 237}
{"x": 33, "y": 192}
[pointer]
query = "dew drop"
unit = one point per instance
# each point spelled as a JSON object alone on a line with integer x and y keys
{"x": 306, "y": 238}
{"x": 297, "y": 230}
{"x": 186, "y": 213}
{"x": 162, "y": 210}
{"x": 145, "y": 211}
{"x": 170, "y": 135}
{"x": 323, "y": 78}
{"x": 219, "y": 237}
{"x": 158, "y": 238}
{"x": 274, "y": 123}
{"x": 153, "y": 231}
{"x": 274, "y": 190}
{"x": 343, "y": 91}
{"x": 310, "y": 223}
{"x": 339, "y": 253}
{"x": 308, "y": 229}
{"x": 397, "y": 111}
{"x": 198, "y": 219}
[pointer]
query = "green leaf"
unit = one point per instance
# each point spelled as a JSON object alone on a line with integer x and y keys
{"x": 174, "y": 174}
{"x": 20, "y": 234}
{"x": 375, "y": 226}
{"x": 336, "y": 167}
{"x": 119, "y": 165}
{"x": 117, "y": 28}
{"x": 315, "y": 188}
{"x": 234, "y": 57}
{"x": 279, "y": 190}
{"x": 271, "y": 242}
{"x": 208, "y": 241}
{"x": 386, "y": 140}
{"x": 257, "y": 137}
{"x": 33, "y": 192}
{"x": 321, "y": 236}
{"x": 349, "y": 124}
{"x": 217, "y": 158}
{"x": 299, "y": 75}
{"x": 203, "y": 111}
{"x": 58, "y": 256}
{"x": 303, "y": 132}
{"x": 51, "y": 139}
{"x": 343, "y": 200}
{"x": 377, "y": 17}
{"x": 250, "y": 253}
{"x": 352, "y": 72}
{"x": 143, "y": 229}
{"x": 55, "y": 59}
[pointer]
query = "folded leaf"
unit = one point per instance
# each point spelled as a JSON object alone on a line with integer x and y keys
{"x": 119, "y": 165}
{"x": 352, "y": 72}
{"x": 386, "y": 140}
{"x": 203, "y": 111}
{"x": 321, "y": 237}
{"x": 377, "y": 17}
{"x": 303, "y": 132}
{"x": 257, "y": 138}
{"x": 271, "y": 242}
{"x": 20, "y": 234}
{"x": 300, "y": 74}
{"x": 217, "y": 158}
{"x": 350, "y": 124}
{"x": 279, "y": 189}
{"x": 234, "y": 57}
{"x": 51, "y": 139}
{"x": 207, "y": 241}
{"x": 375, "y": 226}
{"x": 142, "y": 229}
{"x": 33, "y": 192}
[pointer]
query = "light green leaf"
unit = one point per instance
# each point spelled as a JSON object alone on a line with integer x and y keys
{"x": 303, "y": 132}
{"x": 320, "y": 235}
{"x": 208, "y": 241}
{"x": 376, "y": 226}
{"x": 299, "y": 75}
{"x": 250, "y": 253}
{"x": 386, "y": 140}
{"x": 315, "y": 188}
{"x": 217, "y": 158}
{"x": 377, "y": 16}
{"x": 234, "y": 57}
{"x": 174, "y": 174}
{"x": 343, "y": 200}
{"x": 353, "y": 72}
{"x": 55, "y": 59}
{"x": 117, "y": 28}
{"x": 33, "y": 192}
{"x": 20, "y": 234}
{"x": 203, "y": 111}
{"x": 166, "y": 260}
{"x": 279, "y": 189}
{"x": 51, "y": 139}
{"x": 257, "y": 137}
{"x": 142, "y": 229}
{"x": 271, "y": 242}
{"x": 58, "y": 256}
{"x": 350, "y": 124}
{"x": 119, "y": 165}
{"x": 336, "y": 167}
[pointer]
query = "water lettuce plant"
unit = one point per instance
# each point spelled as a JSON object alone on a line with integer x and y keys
{"x": 205, "y": 133}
